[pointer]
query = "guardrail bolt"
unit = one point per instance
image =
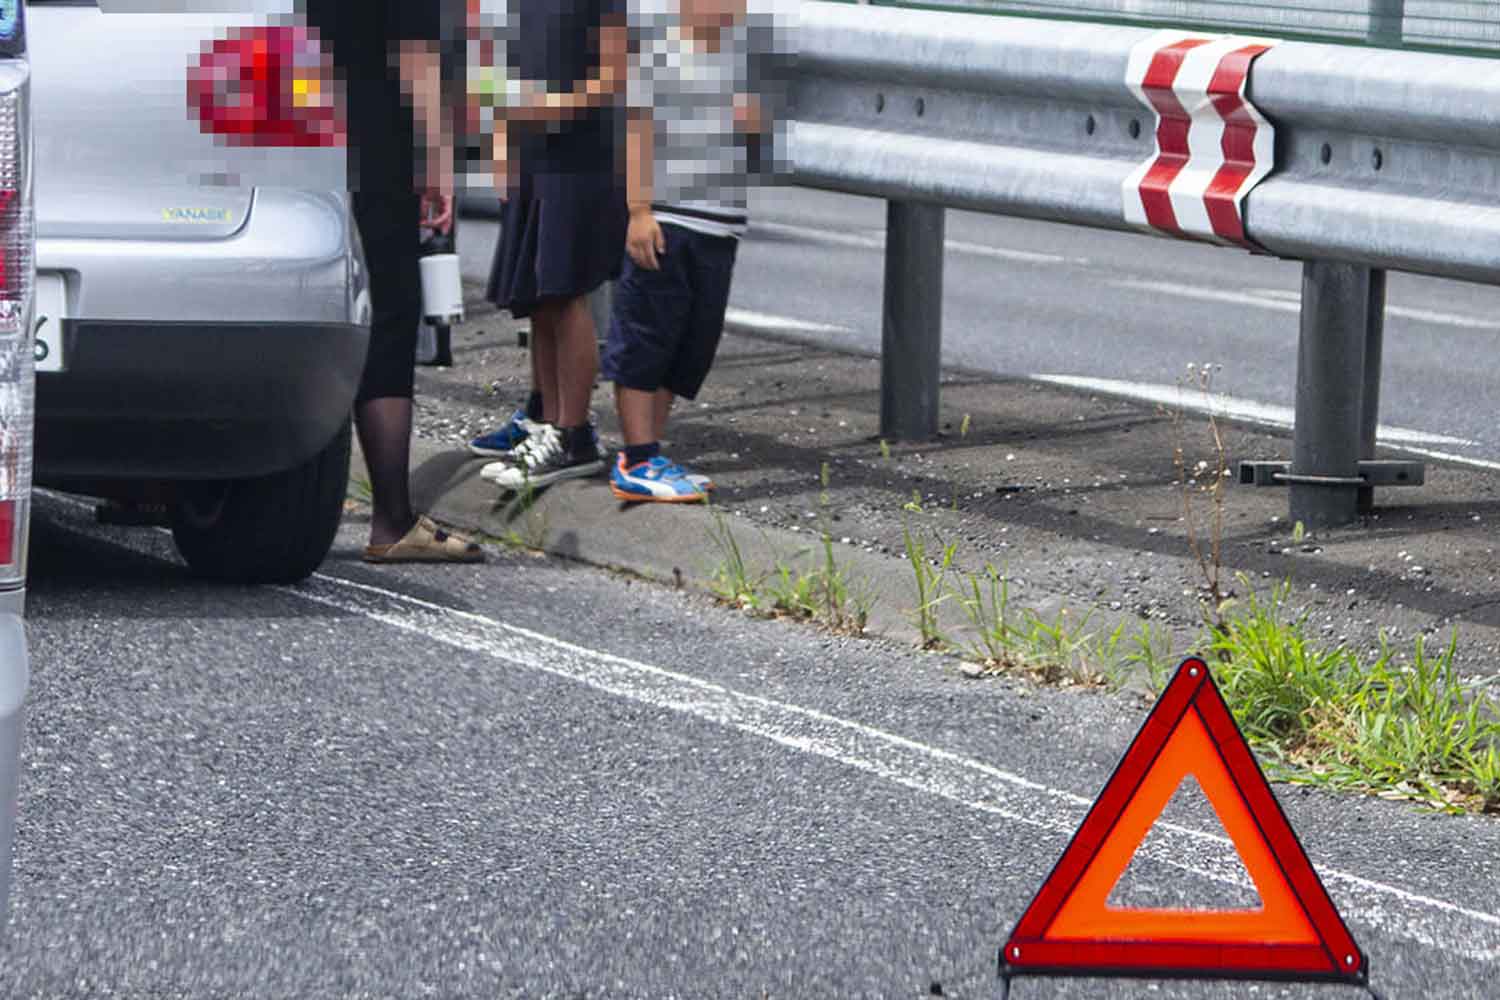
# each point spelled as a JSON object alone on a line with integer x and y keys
{"x": 922, "y": 108}
{"x": 1135, "y": 128}
{"x": 1089, "y": 125}
{"x": 879, "y": 103}
{"x": 1326, "y": 154}
{"x": 1378, "y": 159}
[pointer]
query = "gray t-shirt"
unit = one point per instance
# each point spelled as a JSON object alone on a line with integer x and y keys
{"x": 701, "y": 167}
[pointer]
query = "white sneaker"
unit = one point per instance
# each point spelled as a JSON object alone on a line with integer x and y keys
{"x": 539, "y": 460}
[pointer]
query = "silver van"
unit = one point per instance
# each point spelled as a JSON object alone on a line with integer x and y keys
{"x": 202, "y": 309}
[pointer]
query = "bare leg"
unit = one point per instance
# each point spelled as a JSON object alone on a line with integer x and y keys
{"x": 384, "y": 427}
{"x": 544, "y": 359}
{"x": 575, "y": 359}
{"x": 662, "y": 406}
{"x": 637, "y": 415}
{"x": 536, "y": 376}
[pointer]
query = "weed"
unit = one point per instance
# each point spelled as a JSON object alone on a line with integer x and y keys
{"x": 361, "y": 490}
{"x": 532, "y": 535}
{"x": 793, "y": 593}
{"x": 845, "y": 605}
{"x": 963, "y": 428}
{"x": 1208, "y": 478}
{"x": 931, "y": 580}
{"x": 1405, "y": 730}
{"x": 1153, "y": 653}
{"x": 986, "y": 604}
{"x": 1059, "y": 651}
{"x": 732, "y": 581}
{"x": 885, "y": 449}
{"x": 827, "y": 590}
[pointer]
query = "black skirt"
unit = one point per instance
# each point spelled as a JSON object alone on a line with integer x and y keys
{"x": 562, "y": 235}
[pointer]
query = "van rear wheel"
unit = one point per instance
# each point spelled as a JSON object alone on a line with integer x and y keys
{"x": 270, "y": 529}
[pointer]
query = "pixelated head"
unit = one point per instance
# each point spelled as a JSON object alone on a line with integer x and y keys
{"x": 712, "y": 14}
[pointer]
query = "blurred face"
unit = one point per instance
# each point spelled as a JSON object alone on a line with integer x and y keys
{"x": 711, "y": 15}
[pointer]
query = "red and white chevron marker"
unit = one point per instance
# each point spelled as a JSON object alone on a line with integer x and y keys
{"x": 1212, "y": 146}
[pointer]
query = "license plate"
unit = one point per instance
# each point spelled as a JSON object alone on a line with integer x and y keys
{"x": 51, "y": 310}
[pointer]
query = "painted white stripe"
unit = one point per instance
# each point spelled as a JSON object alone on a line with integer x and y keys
{"x": 1284, "y": 300}
{"x": 1434, "y": 316}
{"x": 1430, "y": 922}
{"x": 1233, "y": 408}
{"x": 747, "y": 319}
{"x": 1209, "y": 294}
{"x": 812, "y": 234}
{"x": 861, "y": 241}
{"x": 1136, "y": 67}
{"x": 1007, "y": 253}
{"x": 1205, "y": 135}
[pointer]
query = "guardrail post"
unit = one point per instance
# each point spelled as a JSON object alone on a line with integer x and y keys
{"x": 1387, "y": 22}
{"x": 912, "y": 324}
{"x": 1331, "y": 374}
{"x": 1370, "y": 403}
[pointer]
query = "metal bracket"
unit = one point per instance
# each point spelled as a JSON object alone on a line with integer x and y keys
{"x": 1374, "y": 472}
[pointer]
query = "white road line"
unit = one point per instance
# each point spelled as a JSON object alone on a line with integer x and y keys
{"x": 1008, "y": 253}
{"x": 1405, "y": 312}
{"x": 1245, "y": 410}
{"x": 865, "y": 241}
{"x": 759, "y": 322}
{"x": 1281, "y": 300}
{"x": 1429, "y": 922}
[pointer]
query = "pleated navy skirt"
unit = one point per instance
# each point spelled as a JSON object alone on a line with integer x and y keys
{"x": 562, "y": 235}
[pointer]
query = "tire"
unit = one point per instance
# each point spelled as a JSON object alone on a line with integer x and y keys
{"x": 272, "y": 529}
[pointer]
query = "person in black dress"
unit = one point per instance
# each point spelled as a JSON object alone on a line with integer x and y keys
{"x": 564, "y": 219}
{"x": 386, "y": 54}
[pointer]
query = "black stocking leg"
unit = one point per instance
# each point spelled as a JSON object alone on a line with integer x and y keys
{"x": 384, "y": 427}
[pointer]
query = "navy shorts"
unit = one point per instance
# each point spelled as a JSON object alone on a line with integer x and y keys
{"x": 665, "y": 325}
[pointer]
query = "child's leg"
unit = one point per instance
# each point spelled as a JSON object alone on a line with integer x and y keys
{"x": 662, "y": 406}
{"x": 577, "y": 362}
{"x": 544, "y": 358}
{"x": 637, "y": 409}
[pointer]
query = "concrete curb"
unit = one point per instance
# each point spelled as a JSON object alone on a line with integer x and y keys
{"x": 673, "y": 544}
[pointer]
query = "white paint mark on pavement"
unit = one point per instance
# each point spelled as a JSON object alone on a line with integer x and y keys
{"x": 1231, "y": 407}
{"x": 1434, "y": 923}
{"x": 759, "y": 322}
{"x": 864, "y": 241}
{"x": 1280, "y": 300}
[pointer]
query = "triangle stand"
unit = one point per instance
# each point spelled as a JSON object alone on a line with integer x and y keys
{"x": 1295, "y": 934}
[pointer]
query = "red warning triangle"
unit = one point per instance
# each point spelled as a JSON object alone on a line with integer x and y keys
{"x": 1070, "y": 928}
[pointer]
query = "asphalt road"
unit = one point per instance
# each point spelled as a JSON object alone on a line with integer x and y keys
{"x": 532, "y": 779}
{"x": 1081, "y": 305}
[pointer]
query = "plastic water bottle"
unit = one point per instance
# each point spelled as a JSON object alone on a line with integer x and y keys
{"x": 442, "y": 298}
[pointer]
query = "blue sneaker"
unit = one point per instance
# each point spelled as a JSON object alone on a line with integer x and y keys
{"x": 656, "y": 480}
{"x": 503, "y": 441}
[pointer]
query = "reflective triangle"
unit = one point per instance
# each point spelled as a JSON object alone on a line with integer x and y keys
{"x": 1294, "y": 933}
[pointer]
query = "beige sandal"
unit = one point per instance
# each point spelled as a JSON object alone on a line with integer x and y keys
{"x": 426, "y": 542}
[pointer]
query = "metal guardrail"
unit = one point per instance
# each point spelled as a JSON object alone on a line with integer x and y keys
{"x": 1383, "y": 160}
{"x": 1438, "y": 24}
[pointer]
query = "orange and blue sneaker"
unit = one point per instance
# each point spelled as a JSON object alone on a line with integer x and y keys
{"x": 656, "y": 480}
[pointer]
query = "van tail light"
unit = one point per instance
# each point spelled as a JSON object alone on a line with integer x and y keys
{"x": 17, "y": 282}
{"x": 266, "y": 86}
